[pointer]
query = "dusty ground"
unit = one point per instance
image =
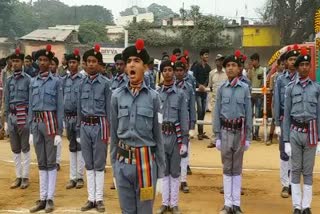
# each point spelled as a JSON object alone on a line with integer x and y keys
{"x": 260, "y": 184}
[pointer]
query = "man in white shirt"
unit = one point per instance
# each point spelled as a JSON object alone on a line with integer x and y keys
{"x": 216, "y": 77}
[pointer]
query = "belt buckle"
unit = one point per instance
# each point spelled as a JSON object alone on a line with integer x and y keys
{"x": 91, "y": 120}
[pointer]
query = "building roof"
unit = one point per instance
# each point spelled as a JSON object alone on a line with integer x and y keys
{"x": 65, "y": 27}
{"x": 4, "y": 39}
{"x": 57, "y": 35}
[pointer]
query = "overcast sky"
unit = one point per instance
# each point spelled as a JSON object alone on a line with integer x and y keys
{"x": 228, "y": 8}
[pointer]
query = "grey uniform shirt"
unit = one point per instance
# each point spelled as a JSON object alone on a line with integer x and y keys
{"x": 71, "y": 90}
{"x": 191, "y": 97}
{"x": 134, "y": 120}
{"x": 301, "y": 104}
{"x": 16, "y": 92}
{"x": 191, "y": 80}
{"x": 279, "y": 91}
{"x": 46, "y": 95}
{"x": 174, "y": 108}
{"x": 94, "y": 98}
{"x": 119, "y": 82}
{"x": 232, "y": 103}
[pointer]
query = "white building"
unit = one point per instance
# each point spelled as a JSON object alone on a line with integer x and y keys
{"x": 125, "y": 20}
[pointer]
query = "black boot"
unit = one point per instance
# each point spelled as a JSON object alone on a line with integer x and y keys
{"x": 49, "y": 206}
{"x": 71, "y": 184}
{"x": 189, "y": 172}
{"x": 163, "y": 209}
{"x": 88, "y": 206}
{"x": 100, "y": 207}
{"x": 237, "y": 210}
{"x": 285, "y": 192}
{"x": 16, "y": 183}
{"x": 24, "y": 183}
{"x": 80, "y": 183}
{"x": 307, "y": 211}
{"x": 296, "y": 211}
{"x": 175, "y": 210}
{"x": 184, "y": 187}
{"x": 40, "y": 205}
{"x": 226, "y": 210}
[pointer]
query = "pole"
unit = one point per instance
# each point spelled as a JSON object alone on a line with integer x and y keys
{"x": 125, "y": 38}
{"x": 265, "y": 104}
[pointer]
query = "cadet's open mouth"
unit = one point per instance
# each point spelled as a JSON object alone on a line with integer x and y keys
{"x": 132, "y": 72}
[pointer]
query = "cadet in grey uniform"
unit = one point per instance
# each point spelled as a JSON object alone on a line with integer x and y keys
{"x": 71, "y": 89}
{"x": 301, "y": 131}
{"x": 135, "y": 132}
{"x": 46, "y": 116}
{"x": 16, "y": 112}
{"x": 233, "y": 126}
{"x": 279, "y": 91}
{"x": 175, "y": 134}
{"x": 94, "y": 116}
{"x": 121, "y": 78}
{"x": 179, "y": 70}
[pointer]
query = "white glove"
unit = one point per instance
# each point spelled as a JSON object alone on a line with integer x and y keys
{"x": 57, "y": 140}
{"x": 287, "y": 149}
{"x": 278, "y": 130}
{"x": 159, "y": 186}
{"x": 247, "y": 145}
{"x": 78, "y": 139}
{"x": 318, "y": 149}
{"x": 6, "y": 127}
{"x": 31, "y": 139}
{"x": 64, "y": 124}
{"x": 218, "y": 144}
{"x": 183, "y": 149}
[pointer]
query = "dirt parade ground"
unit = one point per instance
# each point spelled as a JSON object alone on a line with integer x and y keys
{"x": 261, "y": 183}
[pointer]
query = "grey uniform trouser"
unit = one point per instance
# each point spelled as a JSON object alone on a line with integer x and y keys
{"x": 71, "y": 124}
{"x": 19, "y": 137}
{"x": 94, "y": 150}
{"x": 231, "y": 153}
{"x": 172, "y": 155}
{"x": 302, "y": 158}
{"x": 129, "y": 190}
{"x": 44, "y": 146}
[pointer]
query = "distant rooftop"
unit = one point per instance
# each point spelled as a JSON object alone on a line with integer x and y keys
{"x": 57, "y": 35}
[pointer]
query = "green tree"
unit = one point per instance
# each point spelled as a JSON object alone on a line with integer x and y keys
{"x": 148, "y": 32}
{"x": 206, "y": 31}
{"x": 24, "y": 20}
{"x": 91, "y": 32}
{"x": 160, "y": 12}
{"x": 295, "y": 18}
{"x": 92, "y": 13}
{"x": 6, "y": 8}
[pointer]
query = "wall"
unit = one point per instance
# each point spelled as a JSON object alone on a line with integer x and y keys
{"x": 6, "y": 49}
{"x": 29, "y": 46}
{"x": 260, "y": 36}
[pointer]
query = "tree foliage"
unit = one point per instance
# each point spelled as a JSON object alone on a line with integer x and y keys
{"x": 6, "y": 9}
{"x": 148, "y": 32}
{"x": 19, "y": 18}
{"x": 295, "y": 18}
{"x": 206, "y": 32}
{"x": 90, "y": 32}
{"x": 160, "y": 12}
